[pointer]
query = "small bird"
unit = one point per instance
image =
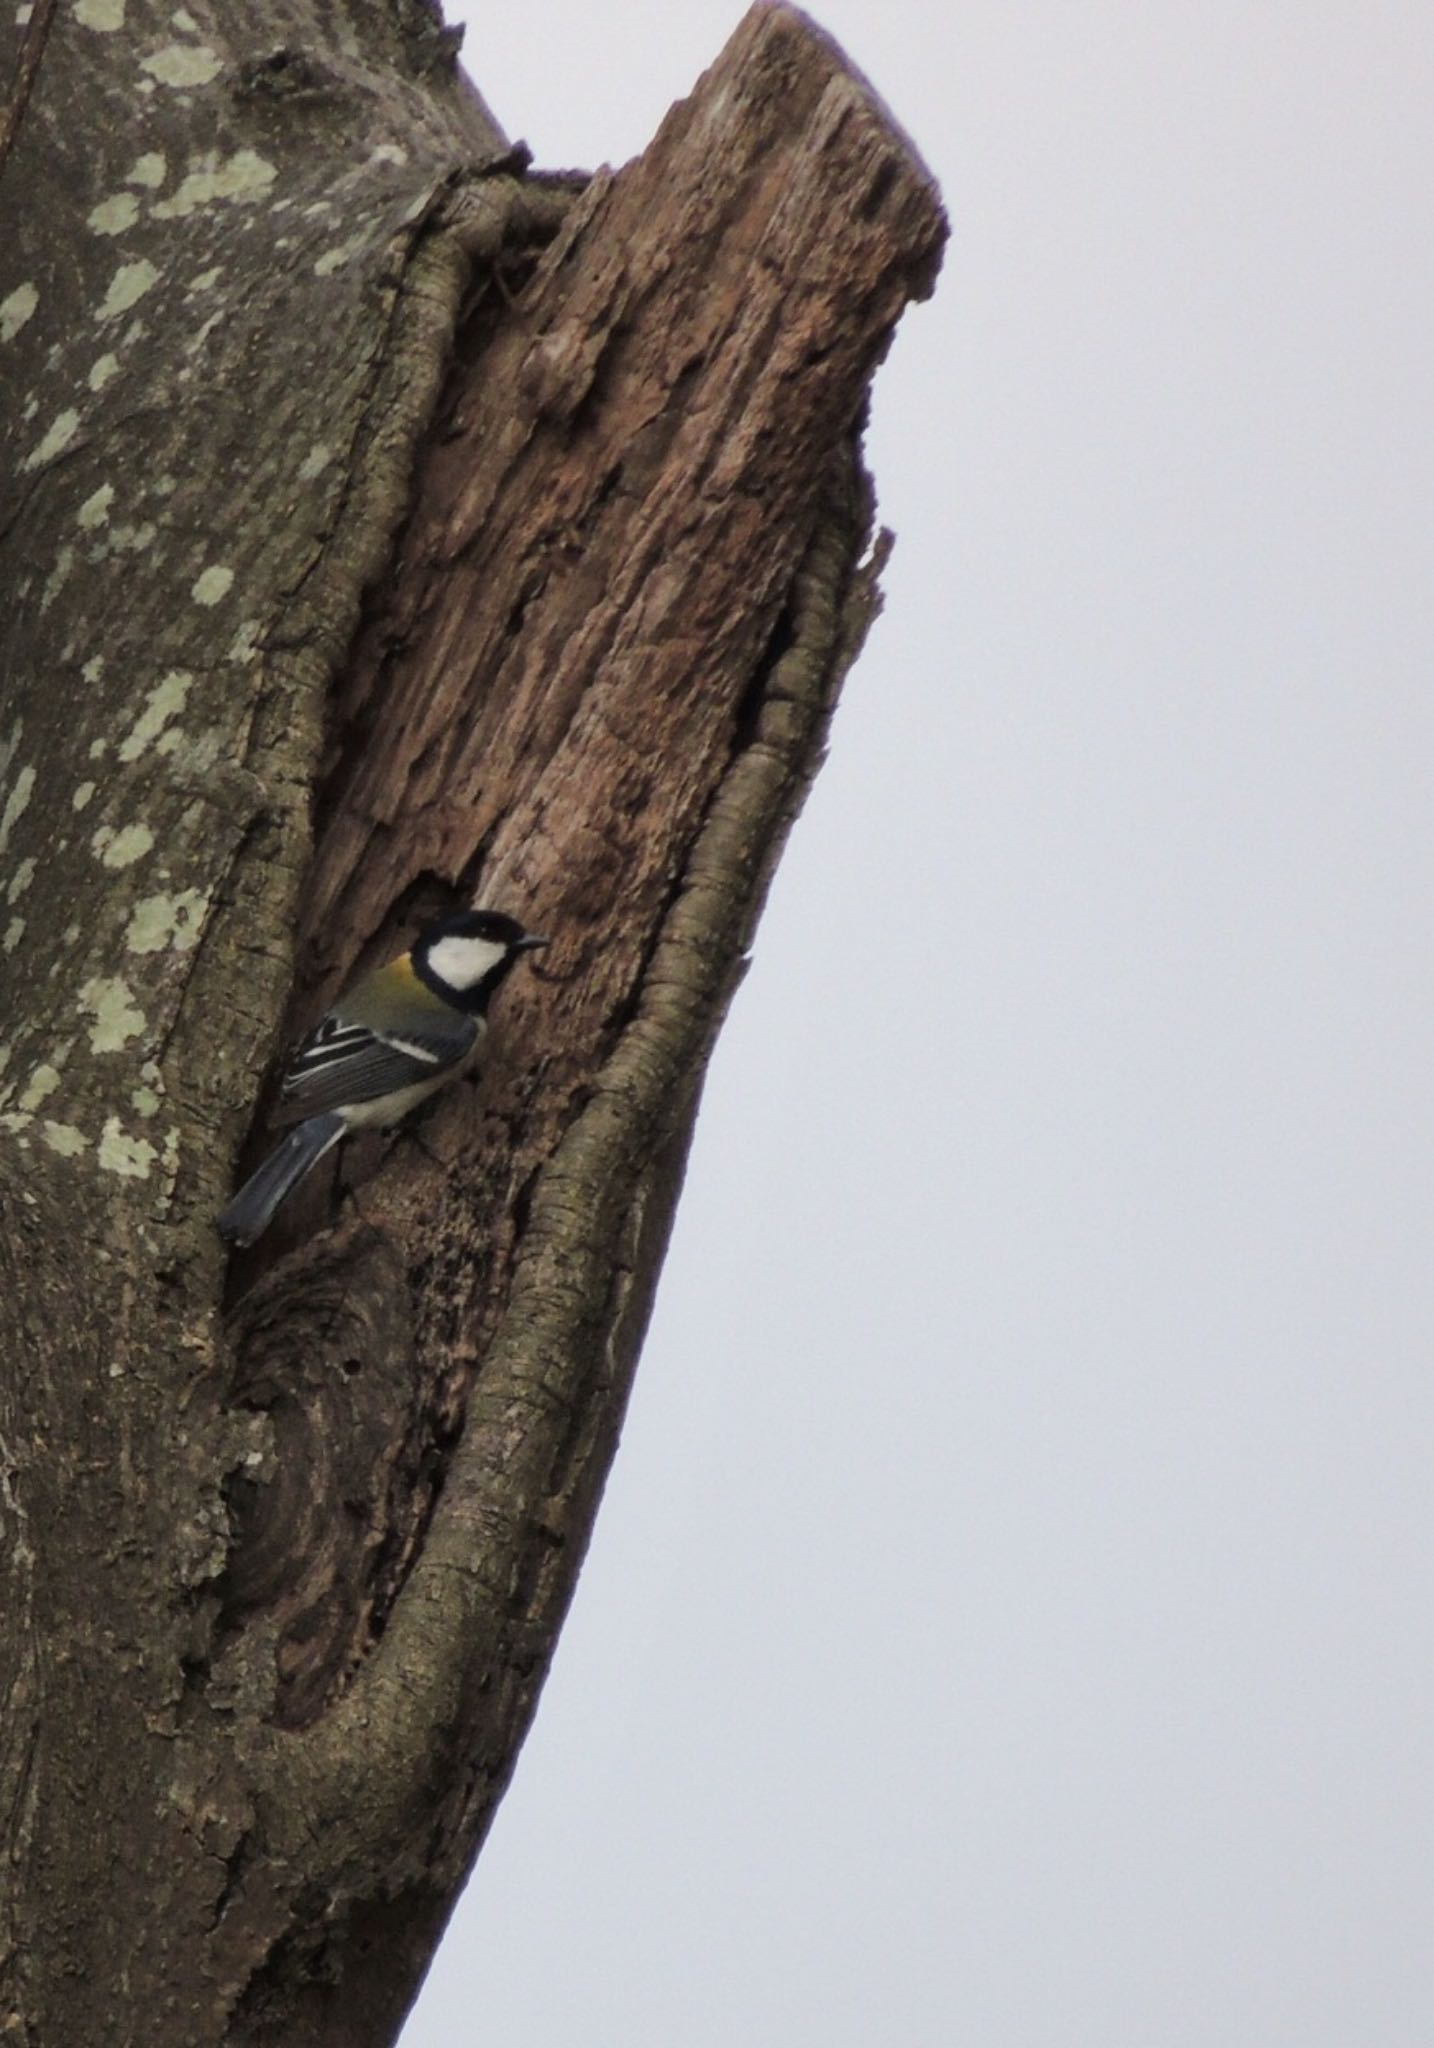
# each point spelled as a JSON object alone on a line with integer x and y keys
{"x": 393, "y": 1038}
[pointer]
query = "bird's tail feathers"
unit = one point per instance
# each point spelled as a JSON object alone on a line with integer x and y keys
{"x": 252, "y": 1209}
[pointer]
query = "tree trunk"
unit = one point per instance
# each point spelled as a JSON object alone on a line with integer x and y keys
{"x": 383, "y": 528}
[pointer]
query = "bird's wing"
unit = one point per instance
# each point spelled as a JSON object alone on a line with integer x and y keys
{"x": 345, "y": 1061}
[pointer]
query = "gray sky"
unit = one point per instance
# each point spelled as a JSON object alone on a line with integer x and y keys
{"x": 1011, "y": 1621}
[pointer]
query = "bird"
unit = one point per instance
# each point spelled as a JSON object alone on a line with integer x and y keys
{"x": 393, "y": 1038}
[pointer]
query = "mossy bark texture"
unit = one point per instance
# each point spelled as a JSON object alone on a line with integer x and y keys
{"x": 381, "y": 527}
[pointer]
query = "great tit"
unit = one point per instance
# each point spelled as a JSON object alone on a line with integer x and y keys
{"x": 396, "y": 1035}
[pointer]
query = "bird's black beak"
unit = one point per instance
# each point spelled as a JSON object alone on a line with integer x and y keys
{"x": 530, "y": 942}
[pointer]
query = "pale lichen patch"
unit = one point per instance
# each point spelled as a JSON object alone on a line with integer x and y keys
{"x": 245, "y": 177}
{"x": 165, "y": 701}
{"x": 14, "y": 932}
{"x": 113, "y": 215}
{"x": 207, "y": 279}
{"x": 388, "y": 153}
{"x": 101, "y": 370}
{"x": 134, "y": 539}
{"x": 183, "y": 64}
{"x": 58, "y": 577}
{"x": 20, "y": 881}
{"x": 244, "y": 647}
{"x": 123, "y": 848}
{"x": 317, "y": 459}
{"x": 16, "y": 805}
{"x": 198, "y": 752}
{"x": 132, "y": 1158}
{"x": 56, "y": 438}
{"x": 98, "y": 748}
{"x": 16, "y": 308}
{"x": 104, "y": 15}
{"x": 81, "y": 795}
{"x": 64, "y": 1139}
{"x": 96, "y": 508}
{"x": 182, "y": 18}
{"x": 144, "y": 1102}
{"x": 128, "y": 285}
{"x": 117, "y": 1017}
{"x": 150, "y": 170}
{"x": 40, "y": 1087}
{"x": 211, "y": 585}
{"x": 175, "y": 921}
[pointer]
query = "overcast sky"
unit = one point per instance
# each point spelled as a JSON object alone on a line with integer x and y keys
{"x": 1011, "y": 1621}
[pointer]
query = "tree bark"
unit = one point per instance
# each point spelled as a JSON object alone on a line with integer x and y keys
{"x": 383, "y": 528}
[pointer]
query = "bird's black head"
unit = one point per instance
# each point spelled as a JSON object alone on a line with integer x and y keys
{"x": 465, "y": 957}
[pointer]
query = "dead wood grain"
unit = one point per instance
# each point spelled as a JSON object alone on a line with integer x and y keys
{"x": 593, "y": 693}
{"x": 586, "y": 611}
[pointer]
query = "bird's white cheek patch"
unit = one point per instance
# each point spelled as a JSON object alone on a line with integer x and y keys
{"x": 463, "y": 962}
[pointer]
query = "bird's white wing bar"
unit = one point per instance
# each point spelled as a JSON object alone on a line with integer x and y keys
{"x": 330, "y": 1044}
{"x": 415, "y": 1049}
